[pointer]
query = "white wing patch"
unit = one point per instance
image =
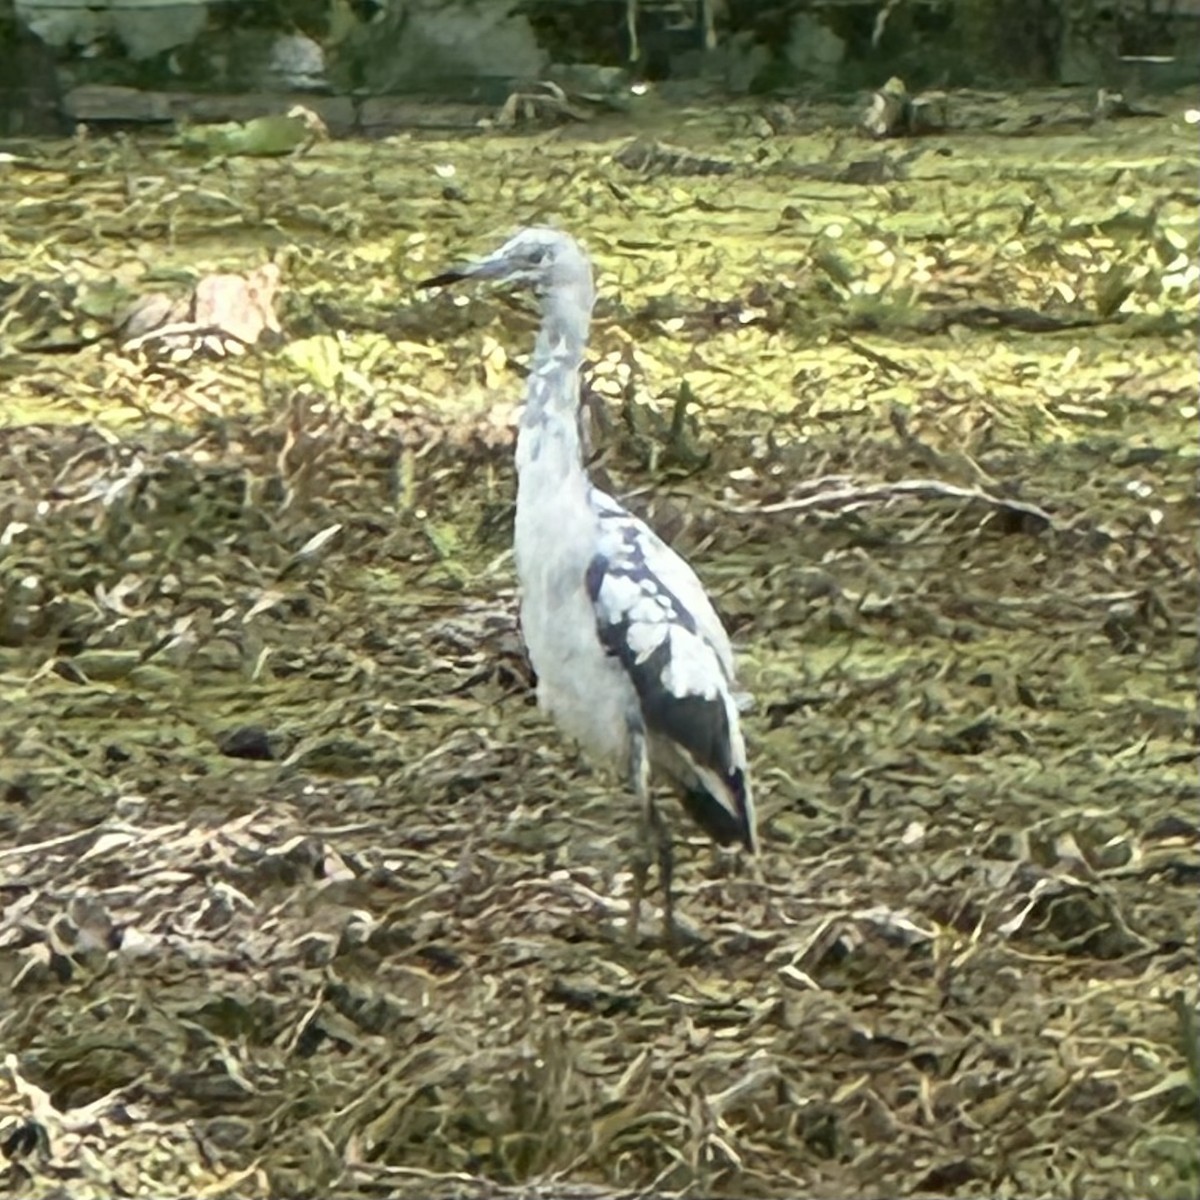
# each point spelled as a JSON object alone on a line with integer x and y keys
{"x": 693, "y": 669}
{"x": 651, "y": 620}
{"x": 631, "y": 597}
{"x": 631, "y": 545}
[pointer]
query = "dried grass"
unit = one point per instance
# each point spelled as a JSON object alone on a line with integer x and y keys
{"x": 384, "y": 952}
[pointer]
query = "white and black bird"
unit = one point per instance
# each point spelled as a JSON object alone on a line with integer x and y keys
{"x": 631, "y": 658}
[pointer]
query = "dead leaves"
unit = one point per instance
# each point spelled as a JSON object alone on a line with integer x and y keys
{"x": 223, "y": 314}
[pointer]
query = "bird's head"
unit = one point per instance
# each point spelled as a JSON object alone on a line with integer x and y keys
{"x": 537, "y": 257}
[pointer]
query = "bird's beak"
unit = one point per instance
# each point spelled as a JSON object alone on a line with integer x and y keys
{"x": 494, "y": 266}
{"x": 451, "y": 276}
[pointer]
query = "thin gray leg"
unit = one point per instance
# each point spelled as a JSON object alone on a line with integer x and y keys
{"x": 639, "y": 785}
{"x": 654, "y": 841}
{"x": 666, "y": 869}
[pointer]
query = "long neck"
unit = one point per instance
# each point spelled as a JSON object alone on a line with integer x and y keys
{"x": 548, "y": 440}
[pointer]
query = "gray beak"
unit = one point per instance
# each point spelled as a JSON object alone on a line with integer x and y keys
{"x": 451, "y": 276}
{"x": 492, "y": 267}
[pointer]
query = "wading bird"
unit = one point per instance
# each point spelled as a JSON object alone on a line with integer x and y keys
{"x": 631, "y": 658}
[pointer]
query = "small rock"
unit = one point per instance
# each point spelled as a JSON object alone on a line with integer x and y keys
{"x": 105, "y": 665}
{"x": 247, "y": 741}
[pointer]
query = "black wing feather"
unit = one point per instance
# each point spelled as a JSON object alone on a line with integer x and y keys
{"x": 698, "y": 723}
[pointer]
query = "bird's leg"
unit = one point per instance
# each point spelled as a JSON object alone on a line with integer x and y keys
{"x": 639, "y": 785}
{"x": 666, "y": 869}
{"x": 652, "y": 830}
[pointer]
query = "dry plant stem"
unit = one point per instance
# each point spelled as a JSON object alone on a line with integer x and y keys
{"x": 847, "y": 496}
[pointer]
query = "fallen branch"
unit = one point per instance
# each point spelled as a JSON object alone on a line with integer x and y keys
{"x": 846, "y": 497}
{"x": 192, "y": 330}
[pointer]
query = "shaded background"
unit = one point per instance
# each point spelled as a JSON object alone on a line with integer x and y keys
{"x": 474, "y": 49}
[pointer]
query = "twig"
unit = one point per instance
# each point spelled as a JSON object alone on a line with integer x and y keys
{"x": 179, "y": 329}
{"x": 849, "y": 496}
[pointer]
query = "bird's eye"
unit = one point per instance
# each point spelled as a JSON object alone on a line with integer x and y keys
{"x": 537, "y": 254}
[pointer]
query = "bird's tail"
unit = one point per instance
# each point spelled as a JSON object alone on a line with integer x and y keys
{"x": 722, "y": 807}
